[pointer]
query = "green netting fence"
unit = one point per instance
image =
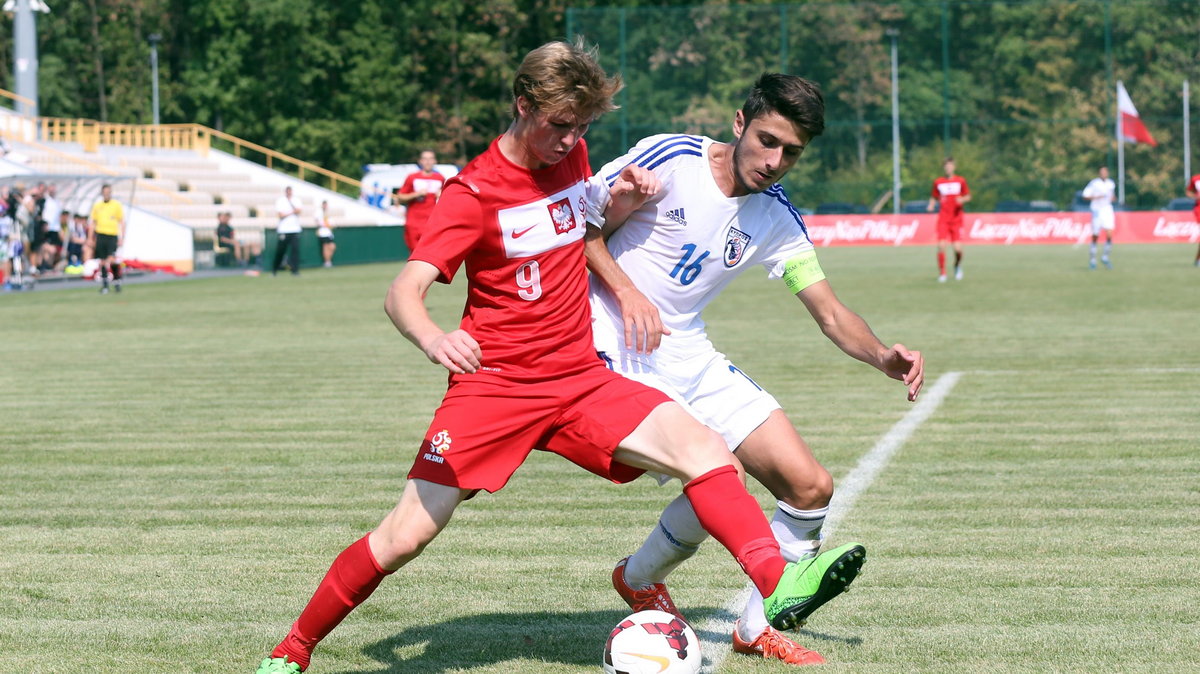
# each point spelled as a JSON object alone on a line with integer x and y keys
{"x": 1022, "y": 94}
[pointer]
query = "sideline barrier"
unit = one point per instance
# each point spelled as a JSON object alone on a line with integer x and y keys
{"x": 1000, "y": 228}
{"x": 355, "y": 245}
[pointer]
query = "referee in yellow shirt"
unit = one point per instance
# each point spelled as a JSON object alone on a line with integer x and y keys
{"x": 108, "y": 224}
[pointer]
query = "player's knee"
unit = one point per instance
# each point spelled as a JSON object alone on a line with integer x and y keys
{"x": 812, "y": 491}
{"x": 394, "y": 549}
{"x": 706, "y": 450}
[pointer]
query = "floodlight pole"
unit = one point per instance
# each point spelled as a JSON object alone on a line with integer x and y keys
{"x": 154, "y": 39}
{"x": 25, "y": 58}
{"x": 894, "y": 34}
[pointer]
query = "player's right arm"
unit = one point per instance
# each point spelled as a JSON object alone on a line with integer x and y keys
{"x": 643, "y": 325}
{"x": 456, "y": 351}
{"x": 1190, "y": 190}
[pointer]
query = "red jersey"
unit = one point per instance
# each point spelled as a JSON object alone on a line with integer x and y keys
{"x": 420, "y": 208}
{"x": 520, "y": 233}
{"x": 1194, "y": 183}
{"x": 946, "y": 191}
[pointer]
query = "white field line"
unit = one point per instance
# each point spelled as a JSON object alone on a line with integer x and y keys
{"x": 714, "y": 632}
{"x": 1093, "y": 371}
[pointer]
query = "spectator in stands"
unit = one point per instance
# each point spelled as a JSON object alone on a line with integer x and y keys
{"x": 108, "y": 233}
{"x": 35, "y": 232}
{"x": 6, "y": 227}
{"x": 419, "y": 194}
{"x": 77, "y": 244}
{"x": 288, "y": 231}
{"x": 245, "y": 254}
{"x": 325, "y": 234}
{"x": 53, "y": 226}
{"x": 25, "y": 218}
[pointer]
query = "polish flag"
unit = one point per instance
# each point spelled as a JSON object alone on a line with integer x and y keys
{"x": 1132, "y": 129}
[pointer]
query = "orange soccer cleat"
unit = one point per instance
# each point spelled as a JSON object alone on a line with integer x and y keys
{"x": 653, "y": 598}
{"x": 772, "y": 645}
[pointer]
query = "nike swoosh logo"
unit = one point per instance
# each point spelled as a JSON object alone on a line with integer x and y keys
{"x": 663, "y": 663}
{"x": 523, "y": 232}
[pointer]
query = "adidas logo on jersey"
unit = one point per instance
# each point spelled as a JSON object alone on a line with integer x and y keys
{"x": 677, "y": 216}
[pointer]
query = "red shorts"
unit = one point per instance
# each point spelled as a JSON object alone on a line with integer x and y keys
{"x": 412, "y": 234}
{"x": 485, "y": 429}
{"x": 949, "y": 229}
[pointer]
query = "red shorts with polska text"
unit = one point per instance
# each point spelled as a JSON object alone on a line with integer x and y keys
{"x": 486, "y": 428}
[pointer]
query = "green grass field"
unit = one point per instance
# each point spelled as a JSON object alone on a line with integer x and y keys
{"x": 181, "y": 462}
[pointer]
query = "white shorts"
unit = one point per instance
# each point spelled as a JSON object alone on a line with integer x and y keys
{"x": 1103, "y": 220}
{"x": 710, "y": 387}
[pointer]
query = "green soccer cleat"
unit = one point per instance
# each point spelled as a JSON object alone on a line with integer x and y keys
{"x": 278, "y": 666}
{"x": 806, "y": 585}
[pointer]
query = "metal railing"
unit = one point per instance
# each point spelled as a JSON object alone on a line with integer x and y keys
{"x": 16, "y": 98}
{"x": 196, "y": 137}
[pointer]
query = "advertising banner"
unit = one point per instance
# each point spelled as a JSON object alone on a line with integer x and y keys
{"x": 1000, "y": 228}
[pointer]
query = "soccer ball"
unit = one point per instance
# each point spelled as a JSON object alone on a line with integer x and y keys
{"x": 652, "y": 642}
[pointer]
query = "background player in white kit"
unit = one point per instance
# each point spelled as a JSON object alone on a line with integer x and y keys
{"x": 719, "y": 210}
{"x": 1099, "y": 192}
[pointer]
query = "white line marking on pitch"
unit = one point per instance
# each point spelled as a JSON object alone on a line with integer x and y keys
{"x": 714, "y": 632}
{"x": 1092, "y": 371}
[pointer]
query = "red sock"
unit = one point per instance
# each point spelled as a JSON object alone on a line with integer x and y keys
{"x": 352, "y": 578}
{"x": 734, "y": 518}
{"x": 942, "y": 262}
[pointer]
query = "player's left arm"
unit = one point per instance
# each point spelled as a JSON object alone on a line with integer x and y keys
{"x": 852, "y": 335}
{"x": 630, "y": 191}
{"x": 966, "y": 194}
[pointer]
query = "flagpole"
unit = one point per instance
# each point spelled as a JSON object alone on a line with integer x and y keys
{"x": 1120, "y": 152}
{"x": 1187, "y": 143}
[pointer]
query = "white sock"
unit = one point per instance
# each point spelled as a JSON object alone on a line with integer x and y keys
{"x": 799, "y": 536}
{"x": 674, "y": 539}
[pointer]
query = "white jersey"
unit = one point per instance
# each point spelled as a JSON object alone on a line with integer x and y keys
{"x": 688, "y": 242}
{"x": 1103, "y": 188}
{"x": 290, "y": 223}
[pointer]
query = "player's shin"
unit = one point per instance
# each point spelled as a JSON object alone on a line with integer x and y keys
{"x": 734, "y": 518}
{"x": 673, "y": 540}
{"x": 352, "y": 578}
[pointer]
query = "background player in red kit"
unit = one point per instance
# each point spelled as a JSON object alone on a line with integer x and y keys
{"x": 1193, "y": 191}
{"x": 419, "y": 194}
{"x": 951, "y": 192}
{"x": 524, "y": 373}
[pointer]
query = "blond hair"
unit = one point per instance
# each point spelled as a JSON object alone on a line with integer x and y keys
{"x": 558, "y": 77}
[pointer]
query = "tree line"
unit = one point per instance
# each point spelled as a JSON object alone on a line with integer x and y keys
{"x": 1019, "y": 92}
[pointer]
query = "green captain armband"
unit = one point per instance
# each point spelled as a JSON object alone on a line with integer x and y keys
{"x": 802, "y": 271}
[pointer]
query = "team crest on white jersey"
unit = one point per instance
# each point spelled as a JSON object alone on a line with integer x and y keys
{"x": 735, "y": 246}
{"x": 562, "y": 216}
